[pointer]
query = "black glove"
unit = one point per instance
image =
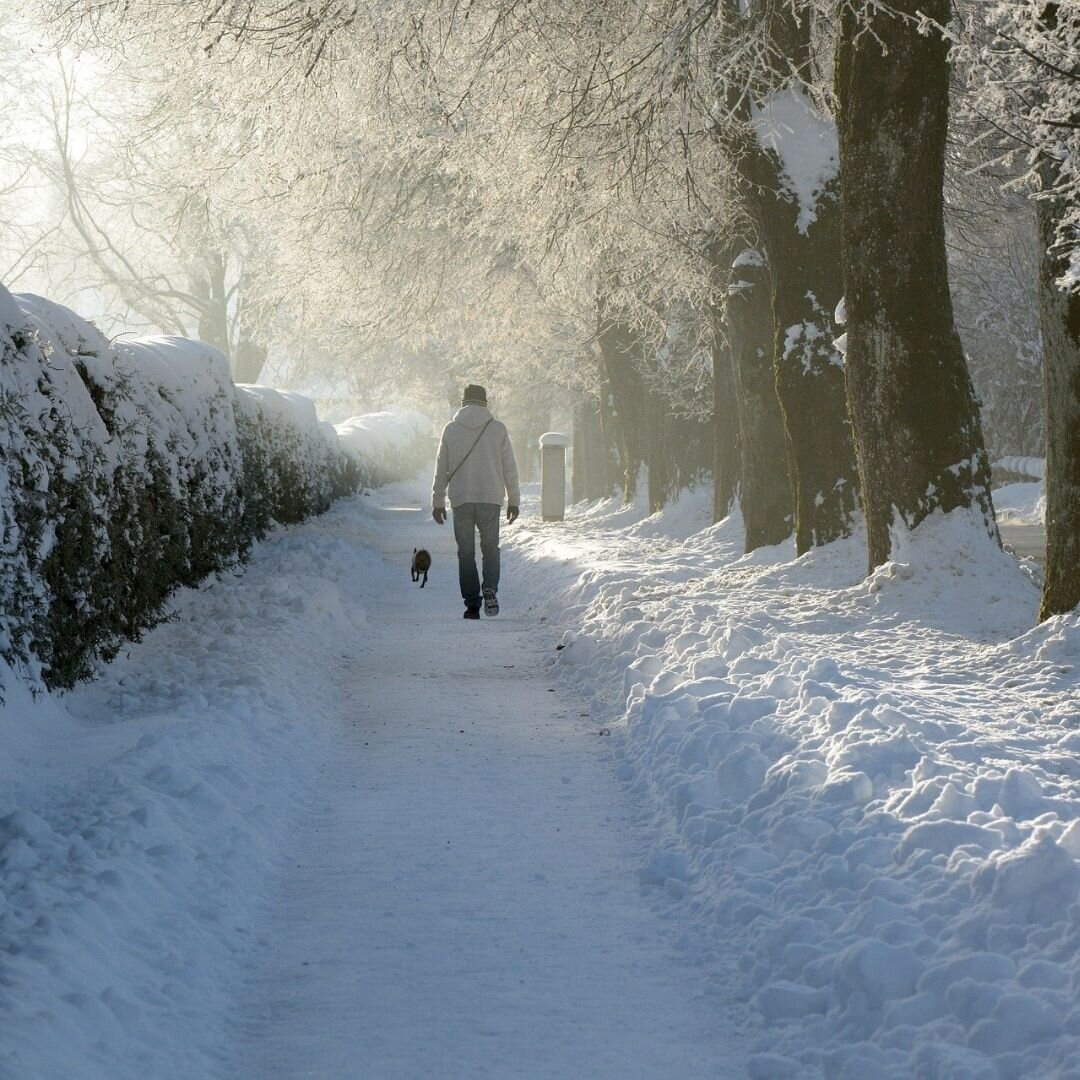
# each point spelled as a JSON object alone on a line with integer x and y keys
{"x": 512, "y": 514}
{"x": 439, "y": 514}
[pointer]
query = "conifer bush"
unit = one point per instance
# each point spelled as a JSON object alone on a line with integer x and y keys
{"x": 127, "y": 470}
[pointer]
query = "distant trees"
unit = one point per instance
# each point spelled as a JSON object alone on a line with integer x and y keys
{"x": 130, "y": 223}
{"x": 993, "y": 274}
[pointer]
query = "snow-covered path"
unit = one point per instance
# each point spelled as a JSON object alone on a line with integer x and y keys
{"x": 463, "y": 900}
{"x": 316, "y": 825}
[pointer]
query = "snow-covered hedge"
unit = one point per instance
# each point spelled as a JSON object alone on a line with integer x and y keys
{"x": 387, "y": 446}
{"x": 126, "y": 470}
{"x": 1017, "y": 466}
{"x": 294, "y": 464}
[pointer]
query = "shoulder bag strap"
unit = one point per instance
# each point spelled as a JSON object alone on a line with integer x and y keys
{"x": 469, "y": 451}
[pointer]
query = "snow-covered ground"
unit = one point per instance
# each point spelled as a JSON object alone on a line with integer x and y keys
{"x": 1021, "y": 504}
{"x": 139, "y": 814}
{"x": 868, "y": 786}
{"x": 317, "y": 825}
{"x": 463, "y": 899}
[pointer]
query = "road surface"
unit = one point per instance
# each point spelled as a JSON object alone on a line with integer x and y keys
{"x": 1026, "y": 540}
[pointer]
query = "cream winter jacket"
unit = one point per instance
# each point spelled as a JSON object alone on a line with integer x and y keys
{"x": 487, "y": 473}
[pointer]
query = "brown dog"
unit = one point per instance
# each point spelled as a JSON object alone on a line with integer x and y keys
{"x": 421, "y": 564}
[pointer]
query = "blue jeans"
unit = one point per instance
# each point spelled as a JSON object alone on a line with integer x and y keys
{"x": 468, "y": 518}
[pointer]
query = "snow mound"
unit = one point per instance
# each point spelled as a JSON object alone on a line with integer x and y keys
{"x": 1021, "y": 504}
{"x": 872, "y": 780}
{"x": 141, "y": 815}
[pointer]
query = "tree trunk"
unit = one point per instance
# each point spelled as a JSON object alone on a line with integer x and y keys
{"x": 807, "y": 284}
{"x": 803, "y": 254}
{"x": 1059, "y": 317}
{"x": 250, "y": 354}
{"x": 580, "y": 465}
{"x": 797, "y": 221}
{"x": 658, "y": 421}
{"x": 725, "y": 419}
{"x": 214, "y": 315}
{"x": 247, "y": 362}
{"x": 584, "y": 450}
{"x": 522, "y": 447}
{"x": 592, "y": 466}
{"x": 916, "y": 421}
{"x": 620, "y": 351}
{"x": 601, "y": 481}
{"x": 765, "y": 493}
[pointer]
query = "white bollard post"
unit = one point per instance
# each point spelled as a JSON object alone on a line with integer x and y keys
{"x": 553, "y": 446}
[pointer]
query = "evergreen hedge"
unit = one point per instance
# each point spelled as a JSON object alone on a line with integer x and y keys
{"x": 128, "y": 469}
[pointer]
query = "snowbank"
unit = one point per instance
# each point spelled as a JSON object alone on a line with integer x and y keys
{"x": 870, "y": 784}
{"x": 387, "y": 446}
{"x": 1021, "y": 504}
{"x": 143, "y": 814}
{"x": 127, "y": 469}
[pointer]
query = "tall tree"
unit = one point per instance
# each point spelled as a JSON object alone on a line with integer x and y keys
{"x": 915, "y": 416}
{"x": 765, "y": 491}
{"x": 622, "y": 358}
{"x": 1025, "y": 71}
{"x": 726, "y": 434}
{"x": 1059, "y": 317}
{"x": 789, "y": 166}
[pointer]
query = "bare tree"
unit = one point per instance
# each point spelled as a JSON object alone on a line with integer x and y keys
{"x": 131, "y": 230}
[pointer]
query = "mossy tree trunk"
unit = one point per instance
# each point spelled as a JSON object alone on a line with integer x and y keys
{"x": 915, "y": 415}
{"x": 802, "y": 249}
{"x": 807, "y": 284}
{"x": 765, "y": 492}
{"x": 1059, "y": 318}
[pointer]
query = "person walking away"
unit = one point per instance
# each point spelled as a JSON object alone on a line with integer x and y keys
{"x": 476, "y": 467}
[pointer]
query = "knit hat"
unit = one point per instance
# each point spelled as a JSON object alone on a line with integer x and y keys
{"x": 474, "y": 395}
